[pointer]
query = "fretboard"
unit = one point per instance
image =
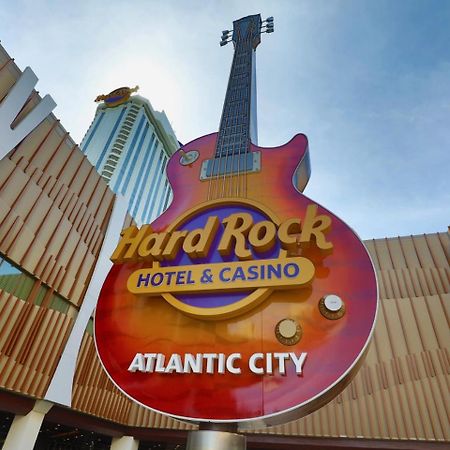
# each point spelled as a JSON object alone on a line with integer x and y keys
{"x": 234, "y": 131}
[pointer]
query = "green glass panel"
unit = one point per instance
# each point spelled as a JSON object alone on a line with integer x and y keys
{"x": 40, "y": 295}
{"x": 9, "y": 282}
{"x": 59, "y": 304}
{"x": 24, "y": 286}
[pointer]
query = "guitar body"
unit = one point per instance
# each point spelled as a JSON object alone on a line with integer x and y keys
{"x": 150, "y": 324}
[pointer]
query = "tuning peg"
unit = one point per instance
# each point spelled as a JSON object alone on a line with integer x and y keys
{"x": 225, "y": 32}
{"x": 268, "y": 25}
{"x": 224, "y": 40}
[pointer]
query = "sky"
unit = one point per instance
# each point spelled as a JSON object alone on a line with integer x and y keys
{"x": 368, "y": 81}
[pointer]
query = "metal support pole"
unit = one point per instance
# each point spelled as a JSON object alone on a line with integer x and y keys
{"x": 216, "y": 437}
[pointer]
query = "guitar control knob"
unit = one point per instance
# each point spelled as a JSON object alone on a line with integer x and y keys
{"x": 188, "y": 157}
{"x": 288, "y": 332}
{"x": 332, "y": 307}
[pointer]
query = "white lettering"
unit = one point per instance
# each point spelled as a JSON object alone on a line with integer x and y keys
{"x": 230, "y": 361}
{"x": 210, "y": 357}
{"x": 252, "y": 365}
{"x": 269, "y": 366}
{"x": 160, "y": 363}
{"x": 174, "y": 364}
{"x": 281, "y": 362}
{"x": 193, "y": 363}
{"x": 151, "y": 357}
{"x": 298, "y": 361}
{"x": 221, "y": 363}
{"x": 137, "y": 363}
{"x": 258, "y": 363}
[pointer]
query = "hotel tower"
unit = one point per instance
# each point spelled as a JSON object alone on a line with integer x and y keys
{"x": 129, "y": 144}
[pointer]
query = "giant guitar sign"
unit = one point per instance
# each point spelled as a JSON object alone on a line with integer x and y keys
{"x": 245, "y": 301}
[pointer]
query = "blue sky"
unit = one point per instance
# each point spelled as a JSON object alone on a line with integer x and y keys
{"x": 367, "y": 81}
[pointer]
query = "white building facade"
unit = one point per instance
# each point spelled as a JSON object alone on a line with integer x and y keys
{"x": 129, "y": 144}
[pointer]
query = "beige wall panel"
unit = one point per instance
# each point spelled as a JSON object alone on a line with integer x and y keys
{"x": 424, "y": 323}
{"x": 4, "y": 212}
{"x": 409, "y": 325}
{"x": 22, "y": 322}
{"x": 101, "y": 202}
{"x": 423, "y": 251}
{"x": 34, "y": 254}
{"x": 86, "y": 221}
{"x": 36, "y": 352}
{"x": 72, "y": 175}
{"x": 6, "y": 167}
{"x": 381, "y": 339}
{"x": 69, "y": 241}
{"x": 437, "y": 250}
{"x": 38, "y": 212}
{"x": 70, "y": 277}
{"x": 63, "y": 198}
{"x": 95, "y": 239}
{"x": 93, "y": 188}
{"x": 438, "y": 307}
{"x": 9, "y": 312}
{"x": 83, "y": 273}
{"x": 61, "y": 236}
{"x": 384, "y": 256}
{"x": 40, "y": 159}
{"x": 34, "y": 140}
{"x": 10, "y": 229}
{"x": 27, "y": 199}
{"x": 396, "y": 253}
{"x": 49, "y": 225}
{"x": 445, "y": 241}
{"x": 15, "y": 183}
{"x": 57, "y": 161}
{"x": 396, "y": 333}
{"x": 7, "y": 80}
{"x": 409, "y": 251}
{"x": 80, "y": 216}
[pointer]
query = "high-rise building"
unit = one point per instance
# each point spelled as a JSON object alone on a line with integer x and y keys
{"x": 129, "y": 143}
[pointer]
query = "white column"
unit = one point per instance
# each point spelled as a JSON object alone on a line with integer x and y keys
{"x": 25, "y": 429}
{"x": 124, "y": 443}
{"x": 60, "y": 388}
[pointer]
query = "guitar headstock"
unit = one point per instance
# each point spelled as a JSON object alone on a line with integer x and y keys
{"x": 247, "y": 29}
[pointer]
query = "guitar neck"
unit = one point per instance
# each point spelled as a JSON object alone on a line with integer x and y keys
{"x": 238, "y": 122}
